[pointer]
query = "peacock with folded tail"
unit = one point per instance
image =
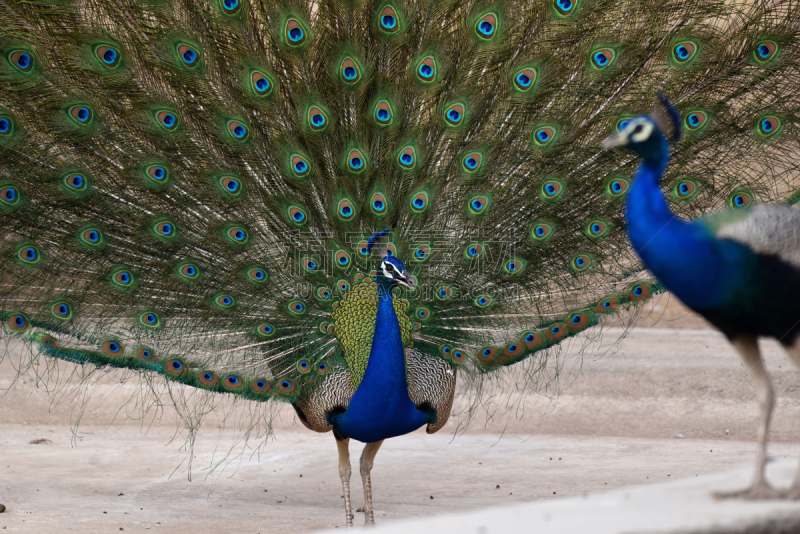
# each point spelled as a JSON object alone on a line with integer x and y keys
{"x": 346, "y": 205}
{"x": 739, "y": 268}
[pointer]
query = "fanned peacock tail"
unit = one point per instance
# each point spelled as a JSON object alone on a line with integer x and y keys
{"x": 188, "y": 187}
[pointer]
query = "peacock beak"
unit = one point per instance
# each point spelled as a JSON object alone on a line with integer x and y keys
{"x": 405, "y": 280}
{"x": 615, "y": 140}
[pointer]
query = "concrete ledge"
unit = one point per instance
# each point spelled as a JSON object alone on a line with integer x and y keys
{"x": 683, "y": 506}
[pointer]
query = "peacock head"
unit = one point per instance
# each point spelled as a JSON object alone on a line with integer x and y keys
{"x": 392, "y": 272}
{"x": 641, "y": 135}
{"x": 648, "y": 135}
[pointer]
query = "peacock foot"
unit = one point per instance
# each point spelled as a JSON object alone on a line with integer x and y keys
{"x": 758, "y": 491}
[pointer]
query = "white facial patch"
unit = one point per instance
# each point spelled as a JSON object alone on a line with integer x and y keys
{"x": 388, "y": 272}
{"x": 645, "y": 129}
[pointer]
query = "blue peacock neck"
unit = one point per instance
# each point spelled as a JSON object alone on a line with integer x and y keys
{"x": 381, "y": 407}
{"x": 646, "y": 210}
{"x": 674, "y": 250}
{"x": 387, "y": 365}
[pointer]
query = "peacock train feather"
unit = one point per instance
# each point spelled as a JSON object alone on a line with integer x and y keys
{"x": 189, "y": 188}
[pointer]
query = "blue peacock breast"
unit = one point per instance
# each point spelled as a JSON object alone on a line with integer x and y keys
{"x": 354, "y": 324}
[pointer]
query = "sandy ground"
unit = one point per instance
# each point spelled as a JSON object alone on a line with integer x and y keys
{"x": 671, "y": 402}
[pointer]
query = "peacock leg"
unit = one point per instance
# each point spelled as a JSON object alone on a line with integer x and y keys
{"x": 344, "y": 473}
{"x": 367, "y": 458}
{"x": 760, "y": 489}
{"x": 794, "y": 490}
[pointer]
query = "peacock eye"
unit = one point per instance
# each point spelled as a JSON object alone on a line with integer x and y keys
{"x": 389, "y": 267}
{"x": 638, "y": 128}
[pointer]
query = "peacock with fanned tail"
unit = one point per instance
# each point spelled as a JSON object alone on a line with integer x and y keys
{"x": 346, "y": 205}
